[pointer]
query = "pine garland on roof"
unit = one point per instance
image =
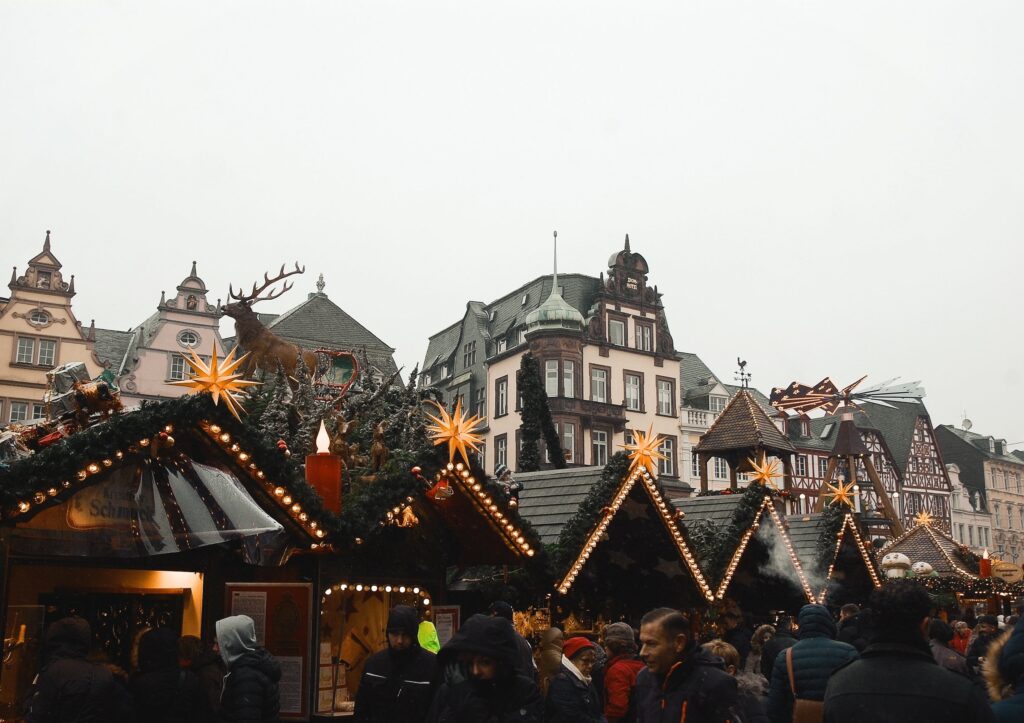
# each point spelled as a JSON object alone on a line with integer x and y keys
{"x": 536, "y": 419}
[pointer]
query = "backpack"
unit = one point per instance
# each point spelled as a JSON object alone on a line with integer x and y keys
{"x": 804, "y": 710}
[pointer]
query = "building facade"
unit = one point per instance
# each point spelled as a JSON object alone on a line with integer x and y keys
{"x": 606, "y": 357}
{"x": 996, "y": 474}
{"x": 39, "y": 331}
{"x": 972, "y": 523}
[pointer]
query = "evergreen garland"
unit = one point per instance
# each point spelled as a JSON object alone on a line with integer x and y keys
{"x": 275, "y": 419}
{"x": 536, "y": 419}
{"x": 830, "y": 523}
{"x": 714, "y": 545}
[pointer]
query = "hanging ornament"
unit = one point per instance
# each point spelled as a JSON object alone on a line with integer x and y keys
{"x": 841, "y": 493}
{"x": 923, "y": 518}
{"x": 442, "y": 490}
{"x": 764, "y": 472}
{"x": 457, "y": 430}
{"x": 219, "y": 379}
{"x": 283, "y": 447}
{"x": 643, "y": 451}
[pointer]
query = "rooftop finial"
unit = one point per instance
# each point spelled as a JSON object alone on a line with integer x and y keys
{"x": 554, "y": 281}
{"x": 627, "y": 243}
{"x": 193, "y": 269}
{"x": 320, "y": 284}
{"x": 742, "y": 375}
{"x": 46, "y": 243}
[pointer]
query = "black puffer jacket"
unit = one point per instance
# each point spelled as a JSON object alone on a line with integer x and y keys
{"x": 508, "y": 698}
{"x": 69, "y": 687}
{"x": 783, "y": 639}
{"x": 698, "y": 683}
{"x": 250, "y": 689}
{"x": 396, "y": 684}
{"x": 164, "y": 693}
{"x": 570, "y": 700}
{"x": 209, "y": 668}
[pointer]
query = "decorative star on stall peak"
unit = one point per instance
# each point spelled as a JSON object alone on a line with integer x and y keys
{"x": 841, "y": 493}
{"x": 457, "y": 430}
{"x": 765, "y": 471}
{"x": 923, "y": 518}
{"x": 644, "y": 452}
{"x": 218, "y": 379}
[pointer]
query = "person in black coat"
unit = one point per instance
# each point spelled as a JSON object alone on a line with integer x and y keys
{"x": 681, "y": 681}
{"x": 896, "y": 678}
{"x": 69, "y": 687}
{"x": 987, "y": 630}
{"x": 854, "y": 625}
{"x": 572, "y": 697}
{"x": 250, "y": 687}
{"x": 395, "y": 687}
{"x": 751, "y": 687}
{"x": 784, "y": 638}
{"x": 163, "y": 691}
{"x": 526, "y": 665}
{"x": 479, "y": 682}
{"x": 199, "y": 657}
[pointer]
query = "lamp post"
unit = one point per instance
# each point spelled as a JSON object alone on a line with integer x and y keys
{"x": 856, "y": 498}
{"x": 323, "y": 471}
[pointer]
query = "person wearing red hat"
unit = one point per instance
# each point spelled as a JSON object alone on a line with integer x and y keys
{"x": 572, "y": 695}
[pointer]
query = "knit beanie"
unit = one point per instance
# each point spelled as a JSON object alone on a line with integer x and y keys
{"x": 574, "y": 646}
{"x": 619, "y": 631}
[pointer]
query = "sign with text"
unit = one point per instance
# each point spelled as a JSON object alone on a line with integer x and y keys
{"x": 1007, "y": 571}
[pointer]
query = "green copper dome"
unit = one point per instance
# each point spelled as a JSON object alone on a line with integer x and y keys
{"x": 554, "y": 313}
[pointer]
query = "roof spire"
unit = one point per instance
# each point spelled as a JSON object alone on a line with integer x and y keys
{"x": 46, "y": 243}
{"x": 320, "y": 284}
{"x": 627, "y": 243}
{"x": 193, "y": 269}
{"x": 554, "y": 277}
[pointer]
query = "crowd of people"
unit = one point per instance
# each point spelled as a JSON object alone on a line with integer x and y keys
{"x": 172, "y": 679}
{"x": 892, "y": 661}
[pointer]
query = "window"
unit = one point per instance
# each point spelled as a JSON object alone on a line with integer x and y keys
{"x": 522, "y": 336}
{"x": 694, "y": 465}
{"x": 499, "y": 346}
{"x": 598, "y": 384}
{"x": 961, "y": 534}
{"x": 19, "y": 411}
{"x": 634, "y": 392}
{"x": 644, "y": 336}
{"x": 480, "y": 407}
{"x": 970, "y": 535}
{"x": 666, "y": 397}
{"x": 38, "y": 317}
{"x": 667, "y": 466}
{"x": 551, "y": 377}
{"x": 617, "y": 332}
{"x": 822, "y": 466}
{"x": 988, "y": 542}
{"x": 801, "y": 465}
{"x": 425, "y": 379}
{"x": 188, "y": 339}
{"x": 1022, "y": 518}
{"x": 599, "y": 447}
{"x": 717, "y": 404}
{"x": 500, "y": 450}
{"x": 569, "y": 379}
{"x": 569, "y": 441}
{"x": 179, "y": 369}
{"x": 469, "y": 354}
{"x": 721, "y": 468}
{"x": 47, "y": 352}
{"x": 26, "y": 350}
{"x": 501, "y": 397}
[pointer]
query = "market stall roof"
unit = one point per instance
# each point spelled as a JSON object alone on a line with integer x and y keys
{"x": 743, "y": 426}
{"x": 551, "y": 497}
{"x": 818, "y": 559}
{"x": 925, "y": 543}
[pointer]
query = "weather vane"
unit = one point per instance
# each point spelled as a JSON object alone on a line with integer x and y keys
{"x": 742, "y": 376}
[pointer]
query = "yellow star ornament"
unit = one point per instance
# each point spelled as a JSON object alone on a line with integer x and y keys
{"x": 457, "y": 430}
{"x": 764, "y": 472}
{"x": 218, "y": 379}
{"x": 843, "y": 494}
{"x": 643, "y": 451}
{"x": 923, "y": 518}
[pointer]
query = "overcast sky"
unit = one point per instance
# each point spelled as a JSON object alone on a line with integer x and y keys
{"x": 822, "y": 189}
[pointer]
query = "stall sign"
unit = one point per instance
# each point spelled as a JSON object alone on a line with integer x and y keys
{"x": 447, "y": 621}
{"x": 1007, "y": 571}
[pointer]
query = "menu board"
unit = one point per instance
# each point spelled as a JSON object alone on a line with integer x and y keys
{"x": 283, "y": 616}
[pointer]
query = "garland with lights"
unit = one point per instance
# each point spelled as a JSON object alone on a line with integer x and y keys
{"x": 830, "y": 525}
{"x": 715, "y": 545}
{"x": 536, "y": 419}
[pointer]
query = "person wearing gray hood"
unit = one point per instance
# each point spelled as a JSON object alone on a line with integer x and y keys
{"x": 250, "y": 688}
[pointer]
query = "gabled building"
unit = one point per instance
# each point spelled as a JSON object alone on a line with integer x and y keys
{"x": 972, "y": 521}
{"x": 38, "y": 331}
{"x": 987, "y": 466}
{"x": 146, "y": 359}
{"x": 605, "y": 352}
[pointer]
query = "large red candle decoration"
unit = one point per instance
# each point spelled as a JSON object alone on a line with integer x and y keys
{"x": 985, "y": 566}
{"x": 323, "y": 472}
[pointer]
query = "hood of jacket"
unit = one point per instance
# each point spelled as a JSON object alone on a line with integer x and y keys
{"x": 491, "y": 636}
{"x": 427, "y": 636}
{"x": 260, "y": 660}
{"x": 236, "y": 636}
{"x": 1004, "y": 663}
{"x": 158, "y": 650}
{"x": 816, "y": 622}
{"x": 67, "y": 638}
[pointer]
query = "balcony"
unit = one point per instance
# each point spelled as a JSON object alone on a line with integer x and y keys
{"x": 590, "y": 412}
{"x": 697, "y": 418}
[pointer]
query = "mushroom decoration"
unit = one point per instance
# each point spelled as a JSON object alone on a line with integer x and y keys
{"x": 922, "y": 569}
{"x": 895, "y": 564}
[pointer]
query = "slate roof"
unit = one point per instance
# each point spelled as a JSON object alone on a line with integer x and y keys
{"x": 932, "y": 545}
{"x": 693, "y": 381}
{"x": 1019, "y": 454}
{"x": 550, "y": 497}
{"x": 717, "y": 509}
{"x": 111, "y": 346}
{"x": 743, "y": 425}
{"x": 804, "y": 533}
{"x": 973, "y": 439}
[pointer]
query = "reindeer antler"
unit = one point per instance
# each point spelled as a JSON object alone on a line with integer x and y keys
{"x": 253, "y": 296}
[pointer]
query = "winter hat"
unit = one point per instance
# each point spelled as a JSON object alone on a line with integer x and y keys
{"x": 574, "y": 646}
{"x": 404, "y": 619}
{"x": 501, "y": 609}
{"x": 816, "y": 622}
{"x": 939, "y": 630}
{"x": 619, "y": 631}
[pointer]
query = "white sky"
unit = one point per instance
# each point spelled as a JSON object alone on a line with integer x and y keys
{"x": 824, "y": 189}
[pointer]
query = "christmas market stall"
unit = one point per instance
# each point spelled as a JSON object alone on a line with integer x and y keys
{"x": 836, "y": 559}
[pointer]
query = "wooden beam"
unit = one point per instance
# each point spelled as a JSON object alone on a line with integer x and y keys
{"x": 830, "y": 472}
{"x": 702, "y": 461}
{"x": 733, "y": 464}
{"x": 890, "y": 512}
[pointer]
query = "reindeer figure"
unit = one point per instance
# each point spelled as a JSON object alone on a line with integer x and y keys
{"x": 266, "y": 349}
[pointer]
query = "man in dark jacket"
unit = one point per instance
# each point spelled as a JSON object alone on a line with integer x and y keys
{"x": 250, "y": 687}
{"x": 198, "y": 656}
{"x": 69, "y": 687}
{"x": 987, "y": 630}
{"x": 525, "y": 666}
{"x": 163, "y": 691}
{"x": 853, "y": 626}
{"x": 784, "y": 638}
{"x": 681, "y": 681}
{"x": 939, "y": 637}
{"x": 479, "y": 682}
{"x": 814, "y": 657}
{"x": 395, "y": 687}
{"x": 896, "y": 679}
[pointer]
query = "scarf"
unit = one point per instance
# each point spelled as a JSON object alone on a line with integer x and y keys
{"x": 575, "y": 671}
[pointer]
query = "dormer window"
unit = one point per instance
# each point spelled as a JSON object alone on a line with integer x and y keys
{"x": 188, "y": 339}
{"x": 717, "y": 404}
{"x": 526, "y": 298}
{"x": 805, "y": 427}
{"x": 499, "y": 346}
{"x": 38, "y": 317}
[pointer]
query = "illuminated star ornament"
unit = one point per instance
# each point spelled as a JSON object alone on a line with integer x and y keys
{"x": 218, "y": 379}
{"x": 458, "y": 430}
{"x": 643, "y": 451}
{"x": 923, "y": 518}
{"x": 764, "y": 472}
{"x": 841, "y": 493}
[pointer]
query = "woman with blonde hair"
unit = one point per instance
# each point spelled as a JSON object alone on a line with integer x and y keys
{"x": 762, "y": 635}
